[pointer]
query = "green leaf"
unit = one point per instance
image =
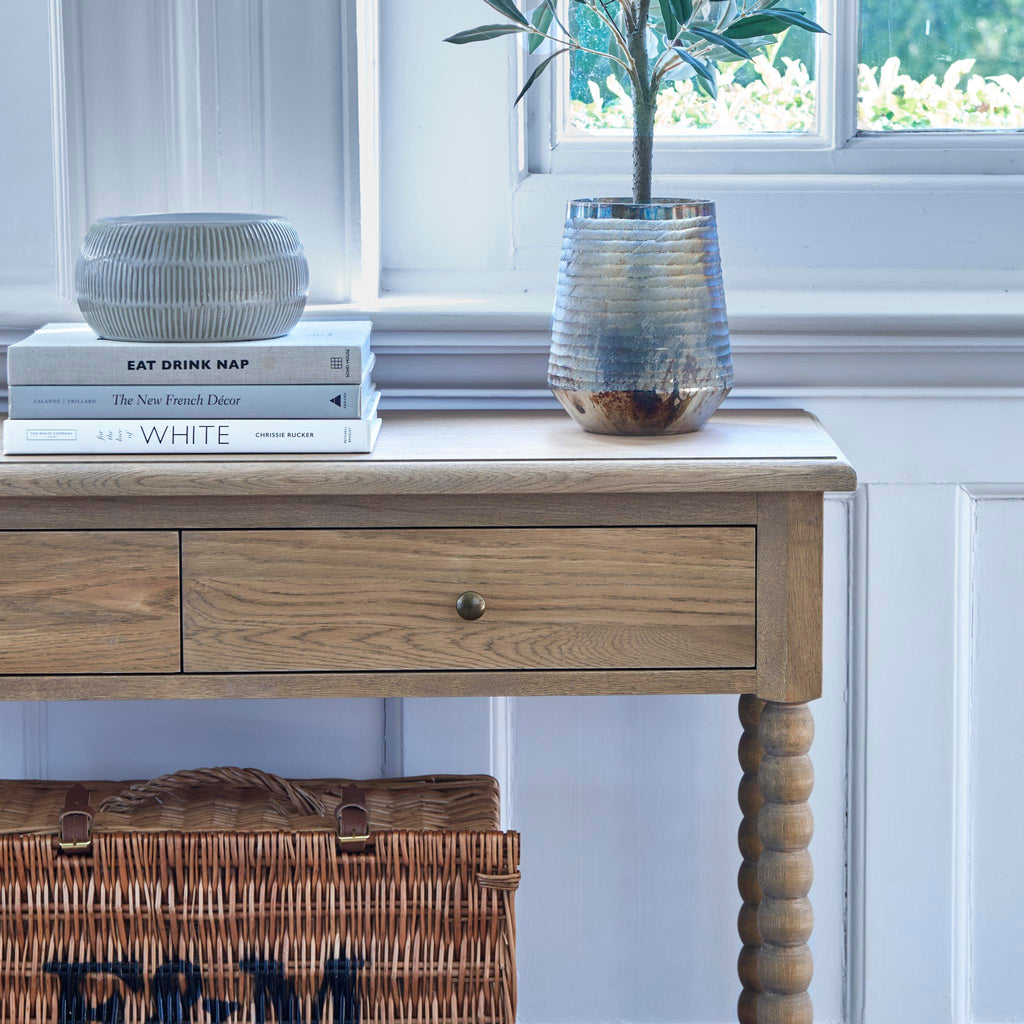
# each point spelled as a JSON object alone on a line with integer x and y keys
{"x": 620, "y": 73}
{"x": 541, "y": 19}
{"x": 668, "y": 16}
{"x": 727, "y": 14}
{"x": 714, "y": 37}
{"x": 482, "y": 32}
{"x": 755, "y": 25}
{"x": 509, "y": 9}
{"x": 537, "y": 72}
{"x": 709, "y": 88}
{"x": 797, "y": 18}
{"x": 684, "y": 10}
{"x": 778, "y": 20}
{"x": 697, "y": 64}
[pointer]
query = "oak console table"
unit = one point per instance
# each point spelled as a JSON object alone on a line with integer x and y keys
{"x": 494, "y": 553}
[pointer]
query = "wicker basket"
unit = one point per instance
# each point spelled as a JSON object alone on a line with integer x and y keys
{"x": 228, "y": 895}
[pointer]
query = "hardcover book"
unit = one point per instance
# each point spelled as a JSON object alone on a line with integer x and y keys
{"x": 244, "y": 401}
{"x": 189, "y": 437}
{"x": 313, "y": 352}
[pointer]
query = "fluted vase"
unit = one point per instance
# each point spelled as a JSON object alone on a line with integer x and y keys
{"x": 639, "y": 335}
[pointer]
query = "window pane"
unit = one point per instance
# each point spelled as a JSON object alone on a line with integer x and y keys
{"x": 775, "y": 94}
{"x": 941, "y": 64}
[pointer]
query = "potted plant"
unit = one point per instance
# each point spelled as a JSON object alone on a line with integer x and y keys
{"x": 640, "y": 340}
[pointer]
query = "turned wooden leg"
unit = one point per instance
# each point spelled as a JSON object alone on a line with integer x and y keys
{"x": 785, "y": 872}
{"x": 775, "y": 877}
{"x": 750, "y": 847}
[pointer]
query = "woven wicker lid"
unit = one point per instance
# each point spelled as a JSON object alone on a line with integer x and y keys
{"x": 243, "y": 800}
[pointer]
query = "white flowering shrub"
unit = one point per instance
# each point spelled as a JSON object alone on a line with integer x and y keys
{"x": 890, "y": 100}
{"x": 781, "y": 99}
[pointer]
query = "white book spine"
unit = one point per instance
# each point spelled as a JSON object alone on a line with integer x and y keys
{"x": 313, "y": 352}
{"x": 165, "y": 364}
{"x": 253, "y": 401}
{"x": 187, "y": 437}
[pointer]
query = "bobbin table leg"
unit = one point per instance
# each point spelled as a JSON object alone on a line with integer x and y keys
{"x": 785, "y": 825}
{"x": 751, "y": 800}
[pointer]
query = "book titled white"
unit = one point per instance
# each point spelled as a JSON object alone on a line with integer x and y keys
{"x": 189, "y": 437}
{"x": 312, "y": 352}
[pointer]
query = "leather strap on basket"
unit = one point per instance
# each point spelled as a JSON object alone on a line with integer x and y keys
{"x": 353, "y": 820}
{"x": 352, "y": 815}
{"x": 76, "y": 821}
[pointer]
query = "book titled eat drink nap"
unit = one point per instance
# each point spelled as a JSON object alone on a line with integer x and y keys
{"x": 312, "y": 352}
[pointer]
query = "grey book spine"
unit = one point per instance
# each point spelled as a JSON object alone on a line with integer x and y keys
{"x": 158, "y": 364}
{"x": 249, "y": 401}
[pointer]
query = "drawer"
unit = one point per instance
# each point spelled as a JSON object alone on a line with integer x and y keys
{"x": 385, "y": 600}
{"x": 89, "y": 601}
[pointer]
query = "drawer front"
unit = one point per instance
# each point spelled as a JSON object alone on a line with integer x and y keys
{"x": 385, "y": 600}
{"x": 89, "y": 601}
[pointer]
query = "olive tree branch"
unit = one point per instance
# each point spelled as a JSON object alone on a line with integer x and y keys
{"x": 675, "y": 61}
{"x": 553, "y": 7}
{"x": 574, "y": 44}
{"x": 628, "y": 11}
{"x": 602, "y": 13}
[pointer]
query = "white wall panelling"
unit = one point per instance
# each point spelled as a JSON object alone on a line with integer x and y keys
{"x": 135, "y": 739}
{"x": 991, "y": 834}
{"x": 219, "y": 105}
{"x": 26, "y": 198}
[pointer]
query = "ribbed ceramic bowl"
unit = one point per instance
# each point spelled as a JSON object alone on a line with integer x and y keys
{"x": 192, "y": 277}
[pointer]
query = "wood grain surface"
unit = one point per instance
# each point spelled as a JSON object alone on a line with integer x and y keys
{"x": 315, "y": 685}
{"x": 789, "y": 595}
{"x": 334, "y": 600}
{"x": 345, "y": 511}
{"x": 474, "y": 452}
{"x": 89, "y": 601}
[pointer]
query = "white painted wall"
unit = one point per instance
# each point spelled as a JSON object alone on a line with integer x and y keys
{"x": 900, "y": 324}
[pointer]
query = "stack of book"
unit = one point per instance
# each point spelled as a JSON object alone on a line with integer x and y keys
{"x": 72, "y": 392}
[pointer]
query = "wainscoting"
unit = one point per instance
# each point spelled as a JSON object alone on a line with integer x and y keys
{"x": 628, "y": 813}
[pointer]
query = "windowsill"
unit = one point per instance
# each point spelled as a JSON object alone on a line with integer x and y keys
{"x": 948, "y": 316}
{"x": 965, "y": 316}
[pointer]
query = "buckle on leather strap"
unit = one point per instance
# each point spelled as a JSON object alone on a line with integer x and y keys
{"x": 76, "y": 822}
{"x": 353, "y": 818}
{"x": 74, "y": 847}
{"x": 364, "y": 839}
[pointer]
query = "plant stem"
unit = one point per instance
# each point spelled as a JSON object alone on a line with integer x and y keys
{"x": 645, "y": 102}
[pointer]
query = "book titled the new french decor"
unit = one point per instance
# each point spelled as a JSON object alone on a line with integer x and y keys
{"x": 313, "y": 352}
{"x": 187, "y": 437}
{"x": 247, "y": 401}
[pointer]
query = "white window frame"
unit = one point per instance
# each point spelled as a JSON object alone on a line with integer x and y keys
{"x": 837, "y": 146}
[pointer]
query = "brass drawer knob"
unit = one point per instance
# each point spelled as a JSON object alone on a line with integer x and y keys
{"x": 471, "y": 605}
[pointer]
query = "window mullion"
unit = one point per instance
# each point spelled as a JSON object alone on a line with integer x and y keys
{"x": 838, "y": 88}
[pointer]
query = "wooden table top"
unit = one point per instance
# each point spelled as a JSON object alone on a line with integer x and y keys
{"x": 474, "y": 452}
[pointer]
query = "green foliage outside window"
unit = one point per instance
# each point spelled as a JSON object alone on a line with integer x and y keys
{"x": 925, "y": 64}
{"x": 781, "y": 99}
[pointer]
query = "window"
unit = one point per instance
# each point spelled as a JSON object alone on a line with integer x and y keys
{"x": 952, "y": 65}
{"x": 894, "y": 87}
{"x": 777, "y": 93}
